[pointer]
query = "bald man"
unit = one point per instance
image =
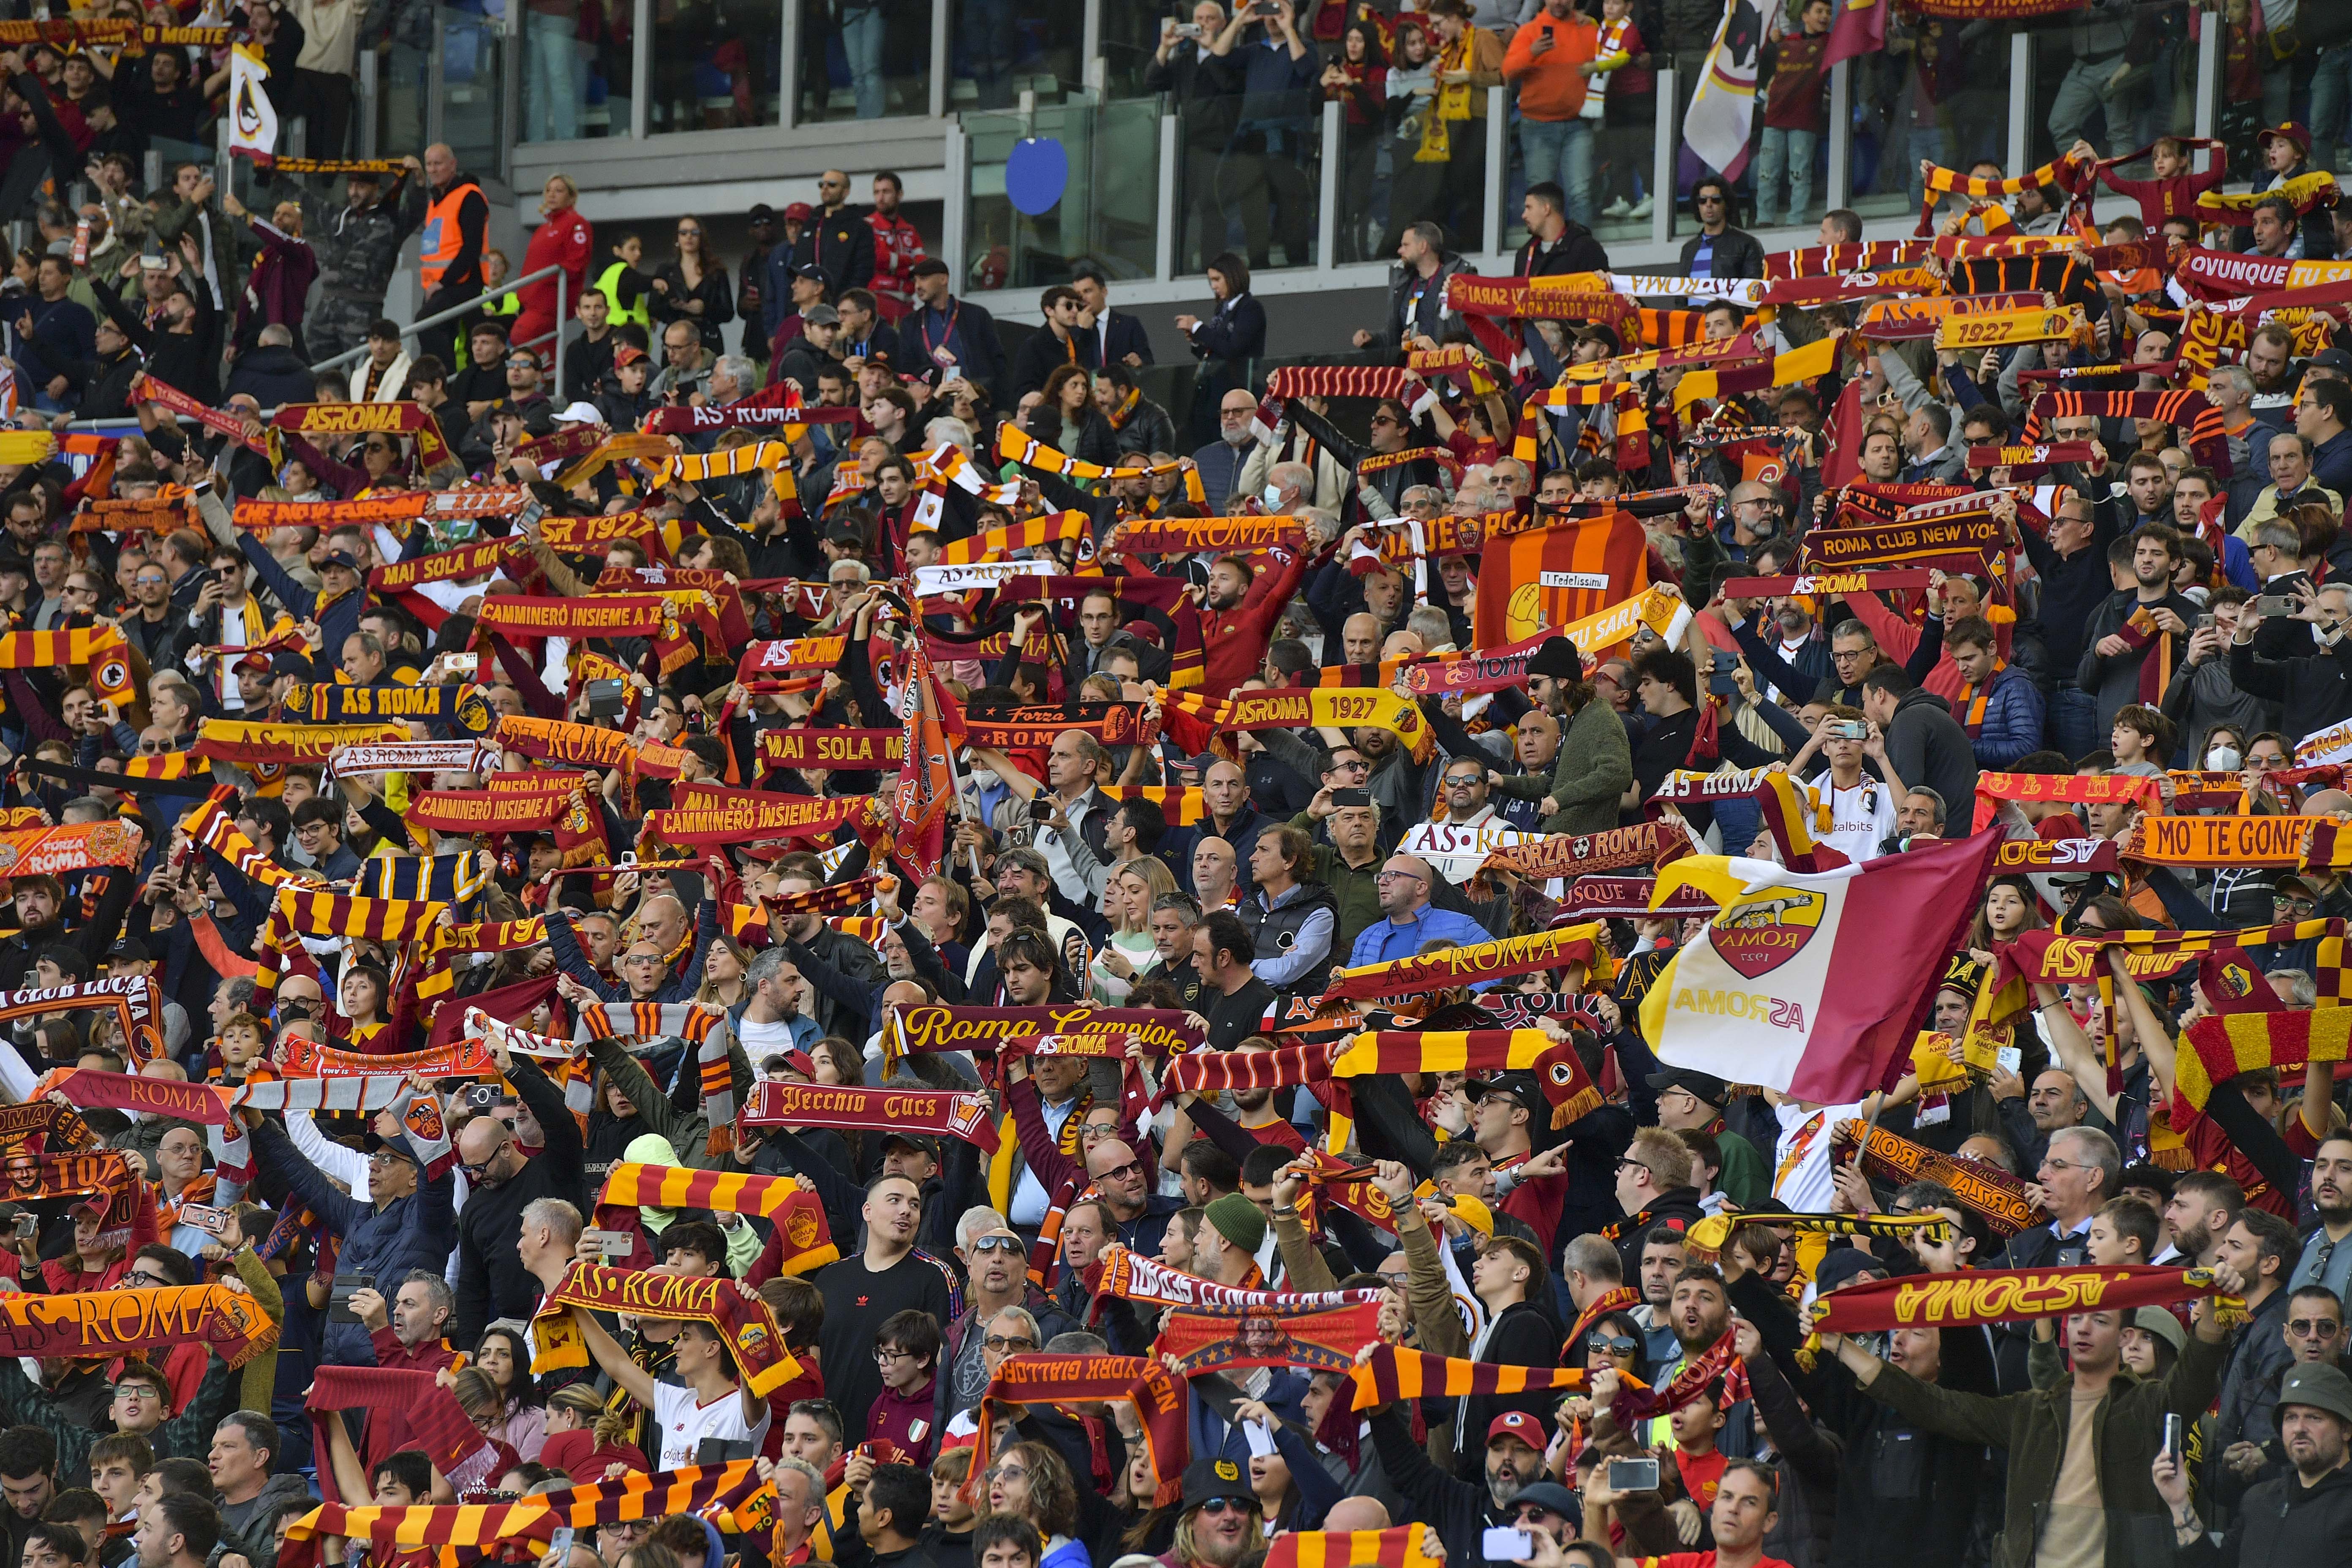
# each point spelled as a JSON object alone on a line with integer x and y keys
{"x": 1224, "y": 790}
{"x": 1405, "y": 883}
{"x": 1212, "y": 866}
{"x": 1360, "y": 640}
{"x": 455, "y": 217}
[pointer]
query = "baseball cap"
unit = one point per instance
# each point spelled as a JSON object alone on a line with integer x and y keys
{"x": 1519, "y": 1086}
{"x": 1707, "y": 1087}
{"x": 1518, "y": 1424}
{"x": 798, "y": 212}
{"x": 820, "y": 316}
{"x": 628, "y": 353}
{"x": 800, "y": 1061}
{"x": 2334, "y": 359}
{"x": 1844, "y": 1264}
{"x": 127, "y": 949}
{"x": 922, "y": 1144}
{"x": 761, "y": 212}
{"x": 1207, "y": 1478}
{"x": 342, "y": 558}
{"x": 811, "y": 271}
{"x": 1550, "y": 1496}
{"x": 581, "y": 414}
{"x": 2298, "y": 134}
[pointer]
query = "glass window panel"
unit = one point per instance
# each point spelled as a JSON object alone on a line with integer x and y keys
{"x": 865, "y": 59}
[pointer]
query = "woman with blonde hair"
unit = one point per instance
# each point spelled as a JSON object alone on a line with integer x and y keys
{"x": 1128, "y": 897}
{"x": 563, "y": 239}
{"x": 1030, "y": 1479}
{"x": 722, "y": 976}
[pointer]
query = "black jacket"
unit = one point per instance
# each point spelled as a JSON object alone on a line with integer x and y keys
{"x": 2284, "y": 1524}
{"x": 1040, "y": 352}
{"x": 1117, "y": 335}
{"x": 1459, "y": 1510}
{"x": 842, "y": 245}
{"x": 1525, "y": 1335}
{"x": 2312, "y": 691}
{"x": 1736, "y": 255}
{"x": 275, "y": 376}
{"x": 491, "y": 1280}
{"x": 1574, "y": 251}
{"x": 1926, "y": 745}
{"x": 1238, "y": 331}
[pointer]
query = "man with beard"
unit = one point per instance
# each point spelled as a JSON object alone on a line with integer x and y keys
{"x": 1234, "y": 616}
{"x": 862, "y": 1290}
{"x": 2270, "y": 361}
{"x": 2203, "y": 1206}
{"x": 494, "y": 1279}
{"x": 1459, "y": 1509}
{"x": 2110, "y": 668}
{"x": 1698, "y": 1311}
{"x": 1219, "y": 1524}
{"x": 2326, "y": 1260}
{"x": 2079, "y": 1450}
{"x": 2290, "y": 1520}
{"x": 1046, "y": 1099}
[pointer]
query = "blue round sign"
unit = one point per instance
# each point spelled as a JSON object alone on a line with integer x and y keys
{"x": 1036, "y": 173}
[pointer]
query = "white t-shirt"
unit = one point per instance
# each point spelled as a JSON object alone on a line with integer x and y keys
{"x": 683, "y": 1424}
{"x": 1859, "y": 817}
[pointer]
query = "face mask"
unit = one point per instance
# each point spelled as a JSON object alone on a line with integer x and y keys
{"x": 984, "y": 777}
{"x": 1273, "y": 494}
{"x": 2222, "y": 758}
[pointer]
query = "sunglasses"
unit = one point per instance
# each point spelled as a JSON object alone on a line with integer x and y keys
{"x": 1000, "y": 1343}
{"x": 2307, "y": 1328}
{"x": 997, "y": 1244}
{"x": 1217, "y": 1505}
{"x": 1610, "y": 1344}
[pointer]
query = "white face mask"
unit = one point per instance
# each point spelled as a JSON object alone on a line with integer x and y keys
{"x": 984, "y": 777}
{"x": 1273, "y": 494}
{"x": 2222, "y": 758}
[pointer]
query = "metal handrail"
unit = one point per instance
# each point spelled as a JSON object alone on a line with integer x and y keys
{"x": 467, "y": 309}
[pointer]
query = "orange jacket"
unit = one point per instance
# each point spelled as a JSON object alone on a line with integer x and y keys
{"x": 1550, "y": 88}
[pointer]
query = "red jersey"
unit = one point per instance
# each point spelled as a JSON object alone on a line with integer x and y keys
{"x": 1703, "y": 1559}
{"x": 897, "y": 249}
{"x": 1702, "y": 1474}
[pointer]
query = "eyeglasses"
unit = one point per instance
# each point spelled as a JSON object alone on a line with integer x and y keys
{"x": 885, "y": 1357}
{"x": 136, "y": 1390}
{"x": 2309, "y": 1328}
{"x": 1121, "y": 1173}
{"x": 1465, "y": 781}
{"x": 1710, "y": 201}
{"x": 689, "y": 234}
{"x": 1635, "y": 1163}
{"x": 146, "y": 582}
{"x": 1000, "y": 1342}
{"x": 1381, "y": 419}
{"x": 2053, "y": 1163}
{"x": 1397, "y": 877}
{"x": 144, "y": 1277}
{"x": 1841, "y": 655}
{"x": 1217, "y": 1505}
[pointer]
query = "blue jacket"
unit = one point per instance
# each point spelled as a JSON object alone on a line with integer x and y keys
{"x": 413, "y": 1232}
{"x": 2012, "y": 722}
{"x": 1380, "y": 944}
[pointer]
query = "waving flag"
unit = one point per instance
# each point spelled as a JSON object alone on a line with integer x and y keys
{"x": 1547, "y": 577}
{"x": 1750, "y": 999}
{"x": 1860, "y": 29}
{"x": 1715, "y": 126}
{"x": 252, "y": 119}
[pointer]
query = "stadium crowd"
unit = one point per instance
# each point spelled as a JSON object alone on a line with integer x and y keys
{"x": 842, "y": 954}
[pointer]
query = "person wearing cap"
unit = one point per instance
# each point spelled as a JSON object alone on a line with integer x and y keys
{"x": 1595, "y": 761}
{"x": 1458, "y": 1507}
{"x": 1695, "y": 1101}
{"x": 1217, "y": 1523}
{"x": 2299, "y": 1519}
{"x": 750, "y": 299}
{"x": 809, "y": 350}
{"x": 2285, "y": 151}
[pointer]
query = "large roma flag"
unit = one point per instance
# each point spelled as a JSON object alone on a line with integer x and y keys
{"x": 1550, "y": 577}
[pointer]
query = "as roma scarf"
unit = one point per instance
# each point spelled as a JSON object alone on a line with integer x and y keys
{"x": 1965, "y": 544}
{"x": 1077, "y": 1028}
{"x": 1122, "y": 1273}
{"x": 366, "y": 418}
{"x": 134, "y": 999}
{"x": 2185, "y": 408}
{"x": 1574, "y": 854}
{"x": 469, "y": 811}
{"x": 1324, "y": 1338}
{"x": 653, "y": 616}
{"x": 1619, "y": 1299}
{"x": 1397, "y": 1548}
{"x": 1461, "y": 965}
{"x": 586, "y": 535}
{"x": 1017, "y": 728}
{"x": 1015, "y": 445}
{"x": 101, "y": 1176}
{"x": 1390, "y": 1374}
{"x": 1990, "y": 1192}
{"x": 691, "y": 1491}
{"x": 147, "y": 389}
{"x": 310, "y": 914}
{"x": 212, "y": 826}
{"x": 1993, "y": 788}
{"x": 75, "y": 846}
{"x": 1474, "y": 1051}
{"x": 247, "y": 743}
{"x": 739, "y": 1317}
{"x": 846, "y": 750}
{"x": 462, "y": 708}
{"x": 2279, "y": 841}
{"x": 1297, "y": 708}
{"x": 437, "y": 1424}
{"x": 2219, "y": 1047}
{"x": 447, "y": 566}
{"x": 1976, "y": 1296}
{"x": 1190, "y": 536}
{"x": 102, "y": 648}
{"x": 1140, "y": 1381}
{"x": 74, "y": 1326}
{"x": 935, "y": 1112}
{"x": 798, "y": 1215}
{"x": 1213, "y": 1072}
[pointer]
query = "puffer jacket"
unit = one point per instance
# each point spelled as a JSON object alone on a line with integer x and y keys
{"x": 407, "y": 1233}
{"x": 2012, "y": 720}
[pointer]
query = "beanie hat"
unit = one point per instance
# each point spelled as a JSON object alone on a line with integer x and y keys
{"x": 1239, "y": 1221}
{"x": 1557, "y": 657}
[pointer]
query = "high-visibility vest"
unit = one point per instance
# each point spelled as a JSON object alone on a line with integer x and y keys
{"x": 438, "y": 242}
{"x": 608, "y": 283}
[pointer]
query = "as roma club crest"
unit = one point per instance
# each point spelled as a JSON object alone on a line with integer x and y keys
{"x": 1759, "y": 934}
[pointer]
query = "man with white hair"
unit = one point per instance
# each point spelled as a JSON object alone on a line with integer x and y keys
{"x": 732, "y": 379}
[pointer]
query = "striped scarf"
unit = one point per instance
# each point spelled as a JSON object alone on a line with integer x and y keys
{"x": 1001, "y": 544}
{"x": 1390, "y": 1374}
{"x": 1397, "y": 1548}
{"x": 1992, "y": 1194}
{"x": 2066, "y": 173}
{"x": 1975, "y": 699}
{"x": 102, "y": 648}
{"x": 798, "y": 1216}
{"x": 697, "y": 1491}
{"x": 1015, "y": 445}
{"x": 2209, "y": 442}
